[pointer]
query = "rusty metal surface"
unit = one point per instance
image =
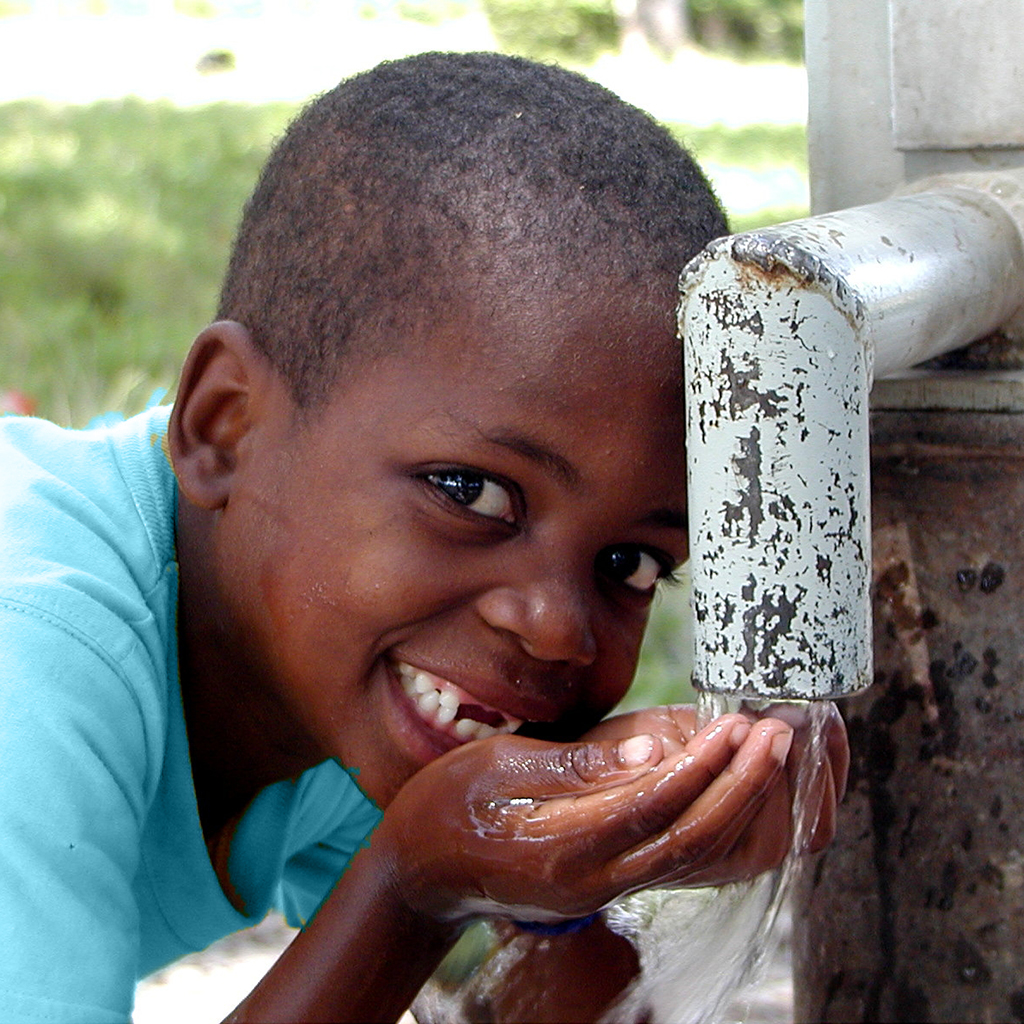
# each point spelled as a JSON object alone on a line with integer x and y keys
{"x": 916, "y": 913}
{"x": 978, "y": 390}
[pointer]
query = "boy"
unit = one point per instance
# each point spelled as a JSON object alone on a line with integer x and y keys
{"x": 403, "y": 525}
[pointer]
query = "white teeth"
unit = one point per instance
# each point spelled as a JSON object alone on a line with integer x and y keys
{"x": 469, "y": 729}
{"x": 438, "y": 700}
{"x": 465, "y": 729}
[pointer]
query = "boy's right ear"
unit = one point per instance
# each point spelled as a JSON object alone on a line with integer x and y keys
{"x": 214, "y": 410}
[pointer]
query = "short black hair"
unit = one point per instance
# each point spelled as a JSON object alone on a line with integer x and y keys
{"x": 385, "y": 193}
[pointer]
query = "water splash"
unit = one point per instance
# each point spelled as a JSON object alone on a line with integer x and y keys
{"x": 698, "y": 948}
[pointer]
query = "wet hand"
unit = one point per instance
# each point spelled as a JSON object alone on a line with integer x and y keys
{"x": 545, "y": 831}
{"x": 816, "y": 774}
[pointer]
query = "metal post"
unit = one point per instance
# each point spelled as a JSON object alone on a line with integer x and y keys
{"x": 917, "y": 911}
{"x": 900, "y": 90}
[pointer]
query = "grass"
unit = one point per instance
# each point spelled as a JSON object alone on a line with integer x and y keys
{"x": 755, "y": 148}
{"x": 115, "y": 224}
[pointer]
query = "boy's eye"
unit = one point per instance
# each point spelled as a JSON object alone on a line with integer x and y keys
{"x": 476, "y": 492}
{"x": 632, "y": 566}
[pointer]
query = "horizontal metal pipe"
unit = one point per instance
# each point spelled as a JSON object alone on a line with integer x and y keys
{"x": 783, "y": 331}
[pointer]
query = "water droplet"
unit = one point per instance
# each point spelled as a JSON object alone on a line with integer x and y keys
{"x": 991, "y": 578}
{"x": 965, "y": 579}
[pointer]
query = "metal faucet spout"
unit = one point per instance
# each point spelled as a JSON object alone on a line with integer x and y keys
{"x": 784, "y": 330}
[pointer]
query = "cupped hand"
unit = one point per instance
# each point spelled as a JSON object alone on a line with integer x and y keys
{"x": 816, "y": 775}
{"x": 544, "y": 831}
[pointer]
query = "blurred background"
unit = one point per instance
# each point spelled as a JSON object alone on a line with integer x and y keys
{"x": 131, "y": 132}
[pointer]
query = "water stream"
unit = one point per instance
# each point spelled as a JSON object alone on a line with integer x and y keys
{"x": 698, "y": 948}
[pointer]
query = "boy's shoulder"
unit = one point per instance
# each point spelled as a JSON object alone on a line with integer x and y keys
{"x": 86, "y": 516}
{"x": 109, "y": 479}
{"x": 40, "y": 447}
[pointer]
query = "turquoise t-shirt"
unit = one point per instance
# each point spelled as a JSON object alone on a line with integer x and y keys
{"x": 104, "y": 874}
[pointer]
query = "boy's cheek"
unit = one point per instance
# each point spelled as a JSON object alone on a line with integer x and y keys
{"x": 620, "y": 655}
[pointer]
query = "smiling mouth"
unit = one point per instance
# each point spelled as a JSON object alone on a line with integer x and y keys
{"x": 449, "y": 709}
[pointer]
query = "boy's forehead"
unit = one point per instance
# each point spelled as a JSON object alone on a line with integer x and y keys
{"x": 562, "y": 384}
{"x": 509, "y": 365}
{"x": 534, "y": 327}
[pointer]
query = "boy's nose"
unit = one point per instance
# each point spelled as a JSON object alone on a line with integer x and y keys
{"x": 550, "y": 619}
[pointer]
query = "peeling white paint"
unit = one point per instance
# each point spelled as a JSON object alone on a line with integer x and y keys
{"x": 783, "y": 332}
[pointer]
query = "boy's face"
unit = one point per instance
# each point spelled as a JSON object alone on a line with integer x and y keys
{"x": 470, "y": 531}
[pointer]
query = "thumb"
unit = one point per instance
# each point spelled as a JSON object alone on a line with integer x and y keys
{"x": 558, "y": 768}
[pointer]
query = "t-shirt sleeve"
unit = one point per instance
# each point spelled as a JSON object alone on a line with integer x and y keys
{"x": 72, "y": 801}
{"x": 332, "y": 822}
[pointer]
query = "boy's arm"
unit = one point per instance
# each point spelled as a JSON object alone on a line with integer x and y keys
{"x": 575, "y": 977}
{"x": 527, "y": 830}
{"x": 363, "y": 956}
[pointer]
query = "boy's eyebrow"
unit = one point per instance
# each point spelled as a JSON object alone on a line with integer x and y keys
{"x": 540, "y": 453}
{"x": 536, "y": 451}
{"x": 672, "y": 518}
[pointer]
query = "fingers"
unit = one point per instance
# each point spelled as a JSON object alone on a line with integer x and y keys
{"x": 617, "y": 792}
{"x": 818, "y": 768}
{"x": 828, "y": 785}
{"x": 644, "y": 818}
{"x": 675, "y": 725}
{"x": 756, "y": 764}
{"x": 714, "y": 821}
{"x": 548, "y": 770}
{"x": 836, "y": 774}
{"x": 649, "y": 802}
{"x": 834, "y": 745}
{"x": 760, "y": 843}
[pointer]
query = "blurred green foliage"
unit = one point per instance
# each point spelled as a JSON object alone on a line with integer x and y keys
{"x": 763, "y": 29}
{"x": 663, "y": 675}
{"x": 580, "y": 30}
{"x": 115, "y": 223}
{"x": 752, "y": 146}
{"x": 431, "y": 12}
